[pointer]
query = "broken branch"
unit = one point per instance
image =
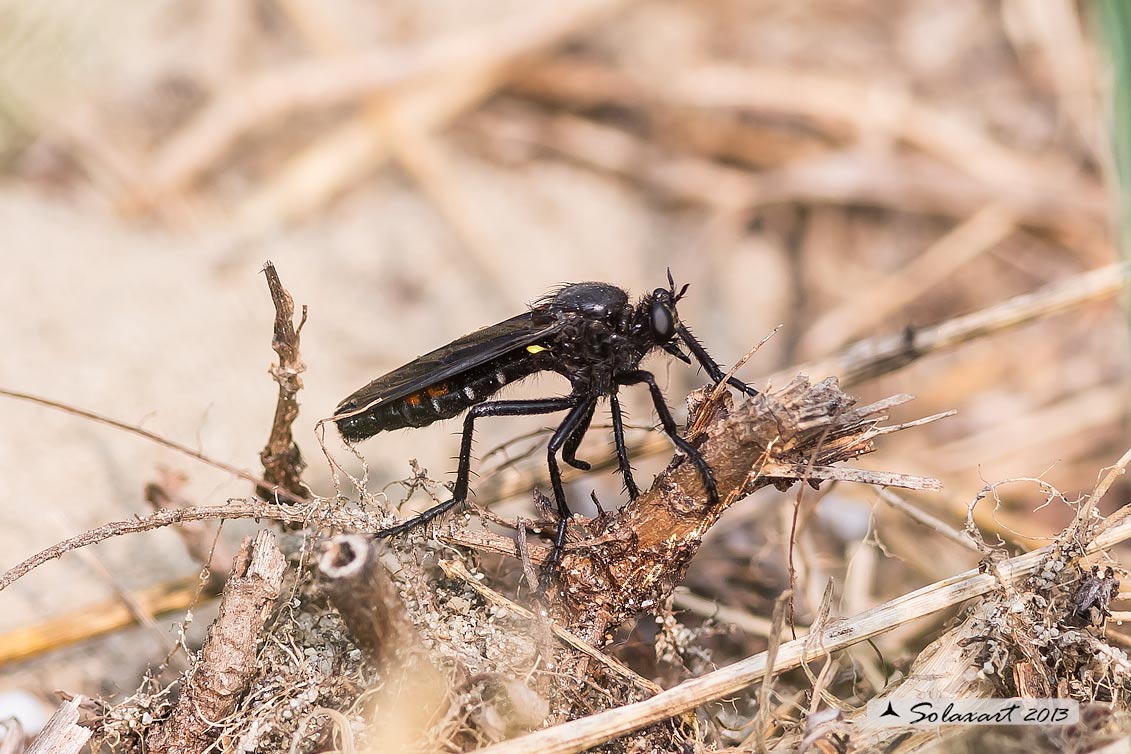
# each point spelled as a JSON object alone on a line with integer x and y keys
{"x": 228, "y": 659}
{"x": 282, "y": 460}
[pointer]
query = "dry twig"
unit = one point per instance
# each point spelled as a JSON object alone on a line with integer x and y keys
{"x": 413, "y": 691}
{"x": 282, "y": 460}
{"x": 146, "y": 434}
{"x": 363, "y": 594}
{"x": 228, "y": 660}
{"x": 234, "y": 510}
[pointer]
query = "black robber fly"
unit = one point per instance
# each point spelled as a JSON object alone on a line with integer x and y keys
{"x": 590, "y": 333}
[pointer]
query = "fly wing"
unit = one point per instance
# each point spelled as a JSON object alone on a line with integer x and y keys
{"x": 447, "y": 361}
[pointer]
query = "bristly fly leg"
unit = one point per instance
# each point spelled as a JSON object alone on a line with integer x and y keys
{"x": 711, "y": 366}
{"x": 463, "y": 473}
{"x": 637, "y": 376}
{"x": 565, "y": 431}
{"x": 569, "y": 450}
{"x": 622, "y": 449}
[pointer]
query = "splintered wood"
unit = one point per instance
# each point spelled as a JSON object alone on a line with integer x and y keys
{"x": 62, "y": 734}
{"x": 641, "y": 552}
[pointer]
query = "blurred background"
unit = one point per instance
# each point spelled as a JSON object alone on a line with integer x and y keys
{"x": 417, "y": 170}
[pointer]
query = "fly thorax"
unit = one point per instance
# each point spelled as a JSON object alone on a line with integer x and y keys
{"x": 585, "y": 352}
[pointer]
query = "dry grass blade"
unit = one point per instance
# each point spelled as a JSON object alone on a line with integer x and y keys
{"x": 1105, "y": 483}
{"x": 926, "y": 519}
{"x": 754, "y": 625}
{"x": 954, "y": 177}
{"x": 855, "y": 176}
{"x": 1056, "y": 29}
{"x": 96, "y": 620}
{"x": 870, "y": 358}
{"x": 869, "y": 106}
{"x": 1048, "y": 427}
{"x": 890, "y": 293}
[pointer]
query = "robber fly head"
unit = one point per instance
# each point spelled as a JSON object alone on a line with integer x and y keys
{"x": 662, "y": 316}
{"x": 663, "y": 321}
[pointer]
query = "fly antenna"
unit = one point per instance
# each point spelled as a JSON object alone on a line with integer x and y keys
{"x": 671, "y": 287}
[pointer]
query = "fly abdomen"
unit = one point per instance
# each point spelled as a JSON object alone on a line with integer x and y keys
{"x": 442, "y": 400}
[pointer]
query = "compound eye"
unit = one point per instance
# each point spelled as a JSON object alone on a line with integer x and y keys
{"x": 663, "y": 324}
